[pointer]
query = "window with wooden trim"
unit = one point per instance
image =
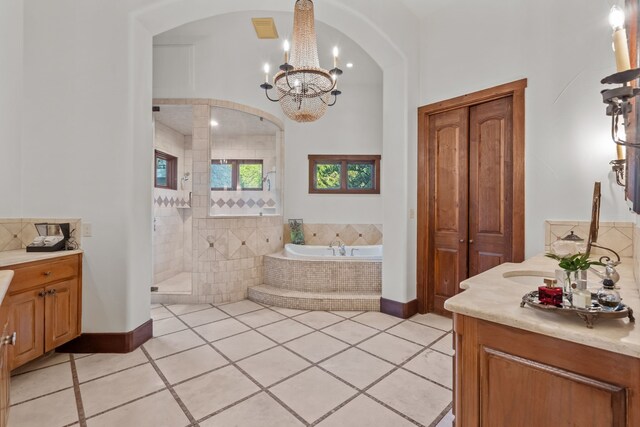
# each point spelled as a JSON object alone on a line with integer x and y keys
{"x": 166, "y": 171}
{"x": 344, "y": 174}
{"x": 232, "y": 175}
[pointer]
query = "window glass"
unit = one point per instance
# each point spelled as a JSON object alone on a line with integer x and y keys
{"x": 344, "y": 173}
{"x": 166, "y": 171}
{"x": 360, "y": 176}
{"x": 250, "y": 176}
{"x": 328, "y": 176}
{"x": 221, "y": 175}
{"x": 161, "y": 172}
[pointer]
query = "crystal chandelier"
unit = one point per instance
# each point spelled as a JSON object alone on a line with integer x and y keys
{"x": 304, "y": 89}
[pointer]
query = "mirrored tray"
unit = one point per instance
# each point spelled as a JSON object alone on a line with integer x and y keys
{"x": 589, "y": 315}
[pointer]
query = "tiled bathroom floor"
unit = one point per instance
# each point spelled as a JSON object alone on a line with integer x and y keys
{"x": 244, "y": 364}
{"x": 178, "y": 284}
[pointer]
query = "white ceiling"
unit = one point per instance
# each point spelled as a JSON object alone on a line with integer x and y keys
{"x": 234, "y": 122}
{"x": 242, "y": 35}
{"x": 230, "y": 122}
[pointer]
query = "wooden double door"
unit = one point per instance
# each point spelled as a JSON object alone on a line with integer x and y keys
{"x": 472, "y": 197}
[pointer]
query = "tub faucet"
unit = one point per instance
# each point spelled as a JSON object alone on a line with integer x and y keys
{"x": 354, "y": 249}
{"x": 341, "y": 249}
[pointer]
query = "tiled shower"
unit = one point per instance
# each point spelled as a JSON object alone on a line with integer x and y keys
{"x": 215, "y": 238}
{"x": 172, "y": 223}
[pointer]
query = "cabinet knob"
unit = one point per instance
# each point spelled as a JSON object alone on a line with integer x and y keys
{"x": 10, "y": 339}
{"x": 52, "y": 291}
{"x": 461, "y": 240}
{"x": 47, "y": 273}
{"x": 471, "y": 241}
{"x": 42, "y": 293}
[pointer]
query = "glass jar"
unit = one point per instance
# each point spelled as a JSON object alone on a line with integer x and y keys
{"x": 608, "y": 298}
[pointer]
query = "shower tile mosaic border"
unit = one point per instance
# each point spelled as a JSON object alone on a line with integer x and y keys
{"x": 178, "y": 202}
{"x": 240, "y": 203}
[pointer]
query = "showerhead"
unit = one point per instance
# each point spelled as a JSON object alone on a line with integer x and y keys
{"x": 186, "y": 176}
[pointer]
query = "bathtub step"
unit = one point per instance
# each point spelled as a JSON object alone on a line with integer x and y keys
{"x": 279, "y": 297}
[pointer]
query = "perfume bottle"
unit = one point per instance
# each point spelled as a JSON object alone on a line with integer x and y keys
{"x": 581, "y": 297}
{"x": 608, "y": 298}
{"x": 550, "y": 294}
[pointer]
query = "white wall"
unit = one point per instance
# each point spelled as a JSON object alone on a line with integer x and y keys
{"x": 11, "y": 44}
{"x": 79, "y": 141}
{"x": 564, "y": 49}
{"x": 353, "y": 126}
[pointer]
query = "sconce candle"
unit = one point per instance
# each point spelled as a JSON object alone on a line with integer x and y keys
{"x": 286, "y": 51}
{"x": 266, "y": 73}
{"x": 335, "y": 57}
{"x": 620, "y": 47}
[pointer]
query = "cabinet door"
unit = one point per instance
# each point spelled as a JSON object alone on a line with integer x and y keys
{"x": 5, "y": 376}
{"x": 521, "y": 392}
{"x": 61, "y": 313}
{"x": 490, "y": 184}
{"x": 448, "y": 187}
{"x": 26, "y": 318}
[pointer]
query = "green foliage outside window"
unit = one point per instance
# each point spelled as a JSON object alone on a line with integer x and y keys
{"x": 360, "y": 175}
{"x": 328, "y": 176}
{"x": 250, "y": 176}
{"x": 236, "y": 175}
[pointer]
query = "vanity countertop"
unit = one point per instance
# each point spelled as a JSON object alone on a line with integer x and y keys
{"x": 5, "y": 280}
{"x": 21, "y": 256}
{"x": 492, "y": 297}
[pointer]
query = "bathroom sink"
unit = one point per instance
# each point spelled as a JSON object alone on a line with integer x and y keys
{"x": 529, "y": 277}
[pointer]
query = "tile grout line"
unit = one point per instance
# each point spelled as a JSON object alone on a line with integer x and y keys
{"x": 350, "y": 346}
{"x": 277, "y": 344}
{"x": 316, "y": 364}
{"x": 282, "y": 345}
{"x": 439, "y": 418}
{"x": 234, "y": 364}
{"x": 169, "y": 387}
{"x": 31, "y": 399}
{"x": 76, "y": 390}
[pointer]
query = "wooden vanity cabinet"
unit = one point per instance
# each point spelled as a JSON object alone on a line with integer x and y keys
{"x": 508, "y": 377}
{"x": 44, "y": 306}
{"x": 5, "y": 372}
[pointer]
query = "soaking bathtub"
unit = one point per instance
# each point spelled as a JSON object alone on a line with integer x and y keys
{"x": 353, "y": 253}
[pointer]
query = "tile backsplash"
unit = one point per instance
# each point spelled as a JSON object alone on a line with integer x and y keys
{"x": 615, "y": 235}
{"x": 349, "y": 234}
{"x": 17, "y": 233}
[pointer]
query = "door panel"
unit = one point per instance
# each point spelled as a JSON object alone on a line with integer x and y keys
{"x": 61, "y": 311}
{"x": 448, "y": 181}
{"x": 26, "y": 316}
{"x": 521, "y": 392}
{"x": 490, "y": 166}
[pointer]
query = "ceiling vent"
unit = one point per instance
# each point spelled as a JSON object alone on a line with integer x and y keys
{"x": 265, "y": 28}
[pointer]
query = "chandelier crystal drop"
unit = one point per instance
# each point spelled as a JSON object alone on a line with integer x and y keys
{"x": 304, "y": 90}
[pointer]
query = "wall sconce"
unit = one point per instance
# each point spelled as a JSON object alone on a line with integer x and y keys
{"x": 618, "y": 99}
